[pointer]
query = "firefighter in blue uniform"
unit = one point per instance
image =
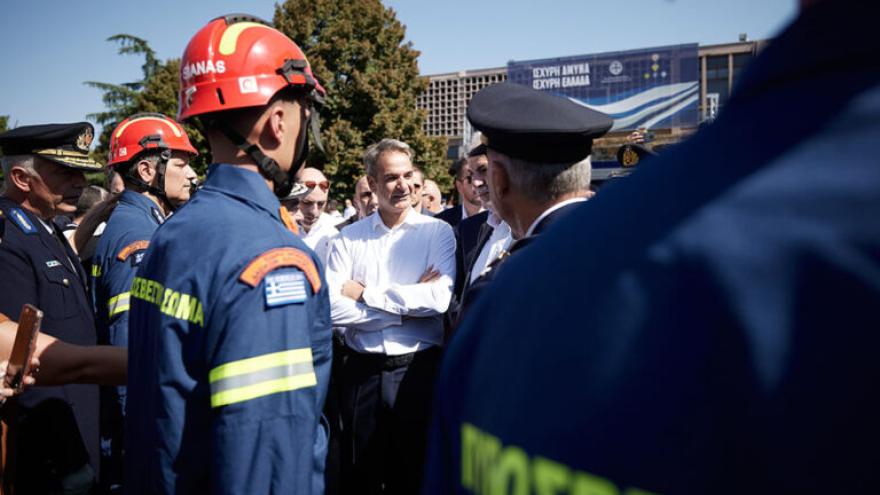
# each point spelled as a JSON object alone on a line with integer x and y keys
{"x": 52, "y": 441}
{"x": 705, "y": 325}
{"x": 229, "y": 326}
{"x": 151, "y": 153}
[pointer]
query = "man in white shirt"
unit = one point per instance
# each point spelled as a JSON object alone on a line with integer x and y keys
{"x": 317, "y": 228}
{"x": 390, "y": 278}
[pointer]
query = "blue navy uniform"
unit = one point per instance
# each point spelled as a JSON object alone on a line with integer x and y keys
{"x": 229, "y": 349}
{"x": 117, "y": 256}
{"x": 722, "y": 335}
{"x": 53, "y": 431}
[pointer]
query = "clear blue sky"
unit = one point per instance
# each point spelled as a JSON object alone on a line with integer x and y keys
{"x": 50, "y": 47}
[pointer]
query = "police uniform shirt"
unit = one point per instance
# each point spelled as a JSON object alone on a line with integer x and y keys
{"x": 725, "y": 339}
{"x": 55, "y": 425}
{"x": 230, "y": 348}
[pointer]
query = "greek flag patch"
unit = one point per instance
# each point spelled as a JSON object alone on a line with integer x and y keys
{"x": 285, "y": 287}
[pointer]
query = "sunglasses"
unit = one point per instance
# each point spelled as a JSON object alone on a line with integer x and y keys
{"x": 324, "y": 185}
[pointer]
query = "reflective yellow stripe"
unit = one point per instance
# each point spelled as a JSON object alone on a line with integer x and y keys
{"x": 254, "y": 377}
{"x": 118, "y": 304}
{"x": 96, "y": 270}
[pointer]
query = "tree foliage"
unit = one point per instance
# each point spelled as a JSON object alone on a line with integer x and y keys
{"x": 357, "y": 51}
{"x": 155, "y": 92}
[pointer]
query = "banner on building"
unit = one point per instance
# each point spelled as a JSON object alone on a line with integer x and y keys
{"x": 651, "y": 88}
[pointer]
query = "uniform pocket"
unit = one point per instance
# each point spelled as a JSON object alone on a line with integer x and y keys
{"x": 60, "y": 293}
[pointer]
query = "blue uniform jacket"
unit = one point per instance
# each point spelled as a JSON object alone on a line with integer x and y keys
{"x": 707, "y": 325}
{"x": 53, "y": 430}
{"x": 230, "y": 348}
{"x": 120, "y": 249}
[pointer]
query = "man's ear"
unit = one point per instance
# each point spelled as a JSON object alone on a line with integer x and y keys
{"x": 21, "y": 178}
{"x": 145, "y": 170}
{"x": 274, "y": 126}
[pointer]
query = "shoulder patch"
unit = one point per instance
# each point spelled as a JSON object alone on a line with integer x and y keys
{"x": 131, "y": 248}
{"x": 19, "y": 218}
{"x": 257, "y": 269}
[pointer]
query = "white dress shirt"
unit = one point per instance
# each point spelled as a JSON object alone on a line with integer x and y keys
{"x": 499, "y": 241}
{"x": 319, "y": 236}
{"x": 399, "y": 315}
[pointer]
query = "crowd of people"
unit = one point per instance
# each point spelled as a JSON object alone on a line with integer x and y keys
{"x": 670, "y": 334}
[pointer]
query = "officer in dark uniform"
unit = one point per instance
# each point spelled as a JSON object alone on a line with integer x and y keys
{"x": 52, "y": 443}
{"x": 151, "y": 153}
{"x": 707, "y": 325}
{"x": 538, "y": 147}
{"x": 229, "y": 325}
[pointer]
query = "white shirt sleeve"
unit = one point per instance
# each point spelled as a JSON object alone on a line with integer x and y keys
{"x": 345, "y": 312}
{"x": 421, "y": 299}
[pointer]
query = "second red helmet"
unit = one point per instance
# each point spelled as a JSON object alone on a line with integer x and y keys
{"x": 147, "y": 131}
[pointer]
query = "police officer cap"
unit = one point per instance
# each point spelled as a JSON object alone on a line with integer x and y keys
{"x": 64, "y": 144}
{"x": 535, "y": 126}
{"x": 629, "y": 155}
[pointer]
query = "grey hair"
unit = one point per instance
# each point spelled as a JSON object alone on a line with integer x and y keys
{"x": 546, "y": 182}
{"x": 25, "y": 162}
{"x": 371, "y": 157}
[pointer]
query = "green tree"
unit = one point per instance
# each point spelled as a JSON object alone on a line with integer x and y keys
{"x": 4, "y": 122}
{"x": 357, "y": 51}
{"x": 155, "y": 92}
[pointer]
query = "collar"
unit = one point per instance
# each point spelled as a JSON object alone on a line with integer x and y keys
{"x": 244, "y": 185}
{"x": 494, "y": 220}
{"x": 550, "y": 210}
{"x": 142, "y": 202}
{"x": 412, "y": 218}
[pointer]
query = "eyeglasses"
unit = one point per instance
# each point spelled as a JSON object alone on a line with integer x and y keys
{"x": 324, "y": 185}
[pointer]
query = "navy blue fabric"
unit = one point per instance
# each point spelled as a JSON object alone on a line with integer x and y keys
{"x": 134, "y": 220}
{"x": 55, "y": 428}
{"x": 175, "y": 441}
{"x": 709, "y": 323}
{"x": 452, "y": 216}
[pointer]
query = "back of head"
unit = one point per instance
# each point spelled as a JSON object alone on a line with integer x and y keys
{"x": 233, "y": 67}
{"x": 90, "y": 196}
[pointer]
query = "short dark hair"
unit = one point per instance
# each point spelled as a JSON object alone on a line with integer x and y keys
{"x": 456, "y": 168}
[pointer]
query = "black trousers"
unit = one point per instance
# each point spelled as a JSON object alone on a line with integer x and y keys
{"x": 385, "y": 404}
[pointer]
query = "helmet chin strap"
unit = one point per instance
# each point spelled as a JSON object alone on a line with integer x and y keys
{"x": 282, "y": 182}
{"x": 159, "y": 191}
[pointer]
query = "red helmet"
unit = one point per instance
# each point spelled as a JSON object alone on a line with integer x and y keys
{"x": 147, "y": 131}
{"x": 239, "y": 61}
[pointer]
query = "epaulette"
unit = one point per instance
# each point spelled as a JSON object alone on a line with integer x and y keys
{"x": 21, "y": 221}
{"x": 131, "y": 249}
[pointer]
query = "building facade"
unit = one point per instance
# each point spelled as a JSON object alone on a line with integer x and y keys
{"x": 448, "y": 94}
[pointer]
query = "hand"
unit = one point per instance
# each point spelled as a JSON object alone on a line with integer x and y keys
{"x": 430, "y": 275}
{"x": 6, "y": 390}
{"x": 353, "y": 290}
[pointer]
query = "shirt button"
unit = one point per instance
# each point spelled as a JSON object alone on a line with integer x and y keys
{"x": 66, "y": 282}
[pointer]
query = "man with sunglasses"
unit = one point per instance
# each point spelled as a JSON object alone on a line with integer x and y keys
{"x": 316, "y": 227}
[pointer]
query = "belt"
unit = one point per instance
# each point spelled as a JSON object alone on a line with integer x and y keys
{"x": 384, "y": 361}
